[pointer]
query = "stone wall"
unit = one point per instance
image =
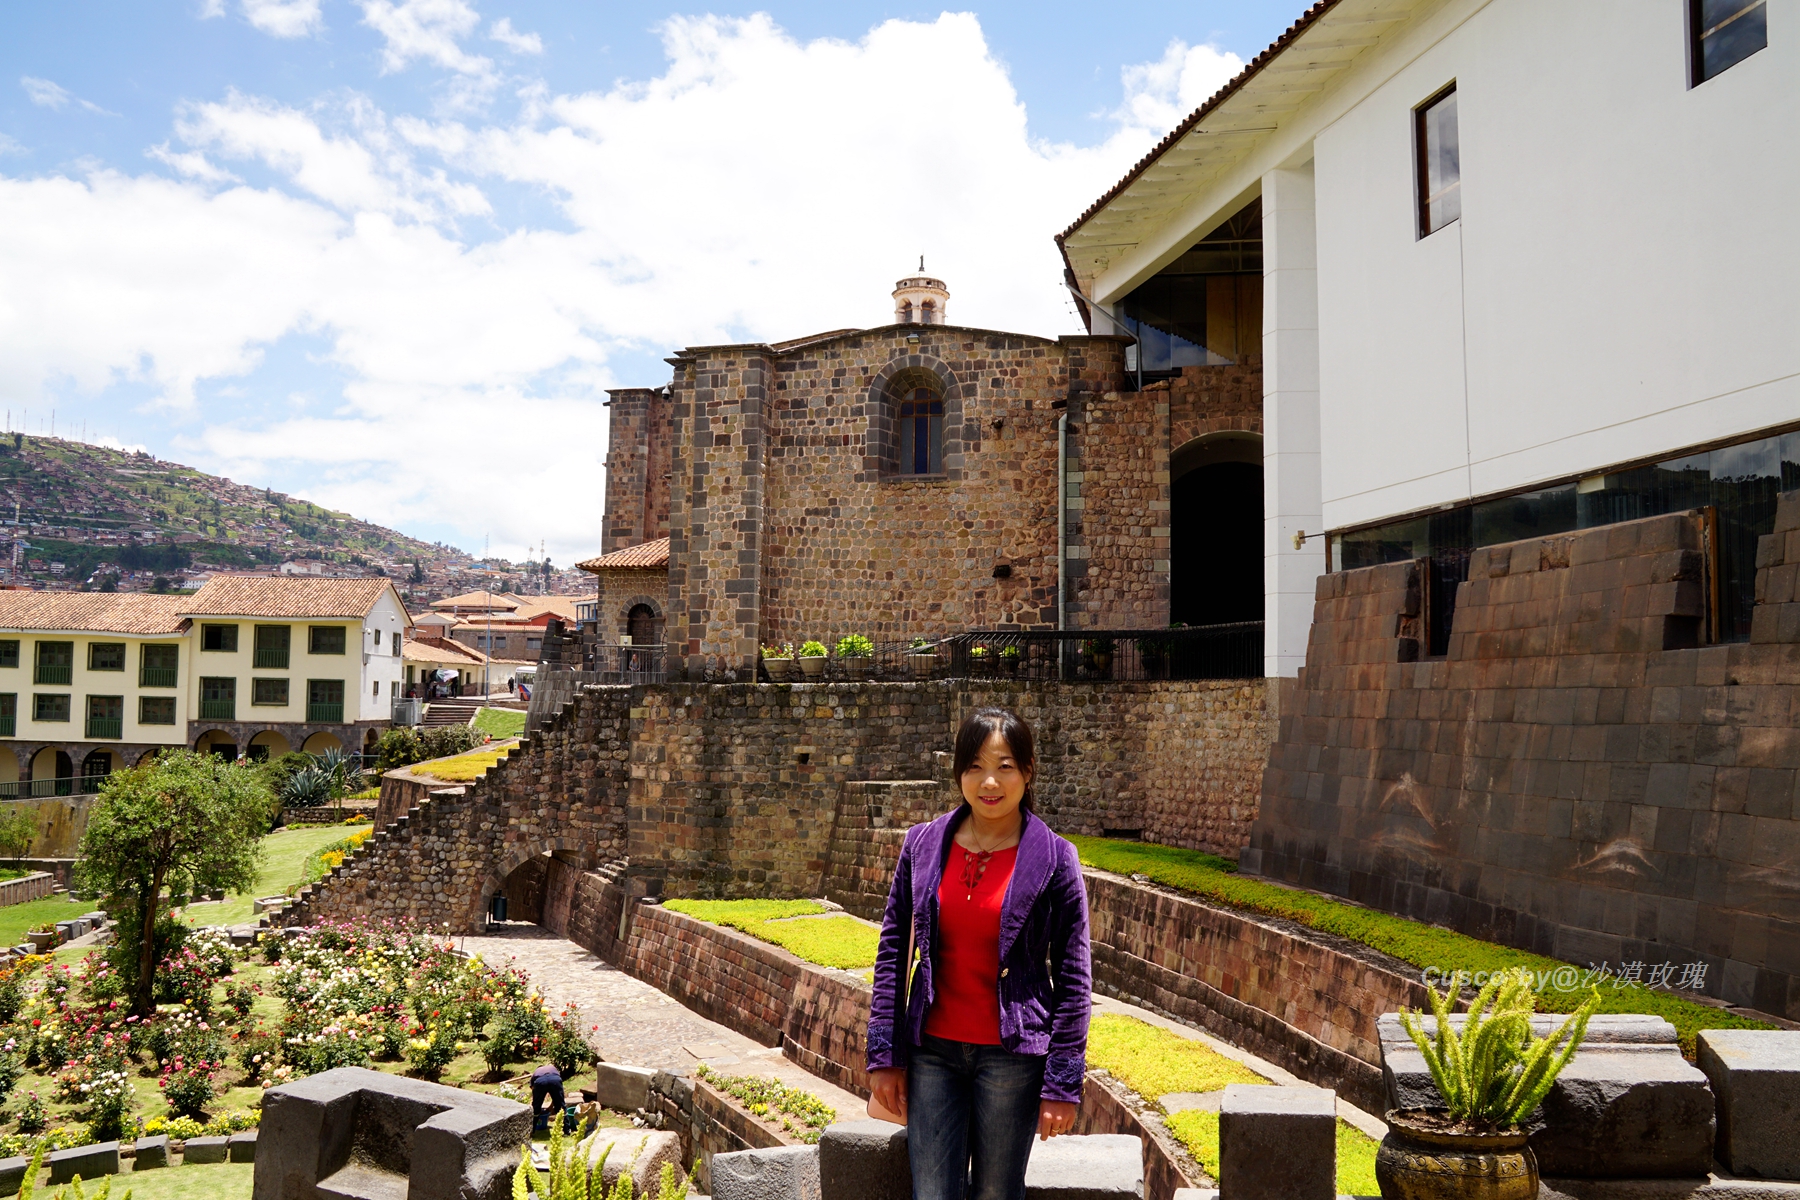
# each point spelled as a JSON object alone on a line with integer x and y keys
{"x": 1118, "y": 481}
{"x": 1215, "y": 399}
{"x": 737, "y": 789}
{"x": 637, "y": 469}
{"x": 34, "y": 886}
{"x": 562, "y": 793}
{"x": 1581, "y": 775}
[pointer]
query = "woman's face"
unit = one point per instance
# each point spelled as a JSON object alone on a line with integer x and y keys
{"x": 995, "y": 785}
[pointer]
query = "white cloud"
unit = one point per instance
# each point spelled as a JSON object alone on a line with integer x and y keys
{"x": 1158, "y": 95}
{"x": 211, "y": 8}
{"x": 284, "y": 18}
{"x": 44, "y": 93}
{"x": 426, "y": 29}
{"x": 10, "y": 146}
{"x": 470, "y": 359}
{"x": 502, "y": 31}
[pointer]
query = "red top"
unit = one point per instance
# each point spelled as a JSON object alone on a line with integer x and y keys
{"x": 967, "y": 972}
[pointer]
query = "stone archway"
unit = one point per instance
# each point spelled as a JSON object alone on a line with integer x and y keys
{"x": 538, "y": 880}
{"x": 219, "y": 742}
{"x": 882, "y": 441}
{"x": 320, "y": 742}
{"x": 269, "y": 744}
{"x": 9, "y": 765}
{"x": 52, "y": 764}
{"x": 1216, "y": 529}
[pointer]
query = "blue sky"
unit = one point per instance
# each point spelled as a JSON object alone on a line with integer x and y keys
{"x": 387, "y": 254}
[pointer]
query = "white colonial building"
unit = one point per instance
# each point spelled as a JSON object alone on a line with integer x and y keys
{"x": 1524, "y": 266}
{"x": 254, "y": 666}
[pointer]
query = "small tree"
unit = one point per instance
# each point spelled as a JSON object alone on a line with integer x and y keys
{"x": 18, "y": 826}
{"x": 189, "y": 822}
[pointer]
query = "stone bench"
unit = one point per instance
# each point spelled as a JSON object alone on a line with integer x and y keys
{"x": 1755, "y": 1076}
{"x": 1627, "y": 1106}
{"x": 352, "y": 1133}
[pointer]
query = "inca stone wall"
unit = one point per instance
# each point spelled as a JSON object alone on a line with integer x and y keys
{"x": 741, "y": 789}
{"x": 1214, "y": 400}
{"x": 1581, "y": 776}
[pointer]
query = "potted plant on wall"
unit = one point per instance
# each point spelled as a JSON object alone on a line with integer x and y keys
{"x": 1097, "y": 655}
{"x": 981, "y": 660}
{"x": 1491, "y": 1075}
{"x": 780, "y": 661}
{"x": 812, "y": 659}
{"x": 857, "y": 652}
{"x": 921, "y": 658}
{"x": 1009, "y": 660}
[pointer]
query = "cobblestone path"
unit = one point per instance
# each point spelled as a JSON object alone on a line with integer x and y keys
{"x": 637, "y": 1023}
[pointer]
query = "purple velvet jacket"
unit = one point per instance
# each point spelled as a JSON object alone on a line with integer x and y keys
{"x": 1046, "y": 979}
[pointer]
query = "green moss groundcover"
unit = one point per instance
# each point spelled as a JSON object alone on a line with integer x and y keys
{"x": 1563, "y": 987}
{"x": 840, "y": 941}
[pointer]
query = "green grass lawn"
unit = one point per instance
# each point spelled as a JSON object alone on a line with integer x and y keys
{"x": 1154, "y": 1062}
{"x": 842, "y": 941}
{"x": 15, "y": 919}
{"x": 1198, "y": 1130}
{"x": 284, "y": 865}
{"x": 501, "y": 722}
{"x": 1215, "y": 880}
{"x": 214, "y": 1181}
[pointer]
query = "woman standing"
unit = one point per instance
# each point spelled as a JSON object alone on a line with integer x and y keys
{"x": 988, "y": 1044}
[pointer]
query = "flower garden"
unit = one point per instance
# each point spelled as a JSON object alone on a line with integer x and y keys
{"x": 75, "y": 1067}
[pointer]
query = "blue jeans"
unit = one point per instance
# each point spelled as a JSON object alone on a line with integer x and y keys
{"x": 550, "y": 1091}
{"x": 968, "y": 1104}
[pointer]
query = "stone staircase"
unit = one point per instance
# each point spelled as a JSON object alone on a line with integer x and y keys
{"x": 450, "y": 712}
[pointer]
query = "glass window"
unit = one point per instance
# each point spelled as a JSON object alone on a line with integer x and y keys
{"x": 9, "y": 652}
{"x": 156, "y": 710}
{"x": 922, "y": 433}
{"x": 9, "y": 714}
{"x": 159, "y": 666}
{"x": 55, "y": 662}
{"x": 325, "y": 691}
{"x": 1723, "y": 33}
{"x": 272, "y": 643}
{"x": 106, "y": 656}
{"x": 1440, "y": 164}
{"x": 1740, "y": 483}
{"x": 1203, "y": 309}
{"x": 327, "y": 639}
{"x": 49, "y": 707}
{"x": 218, "y": 687}
{"x": 219, "y": 637}
{"x": 105, "y": 717}
{"x": 269, "y": 692}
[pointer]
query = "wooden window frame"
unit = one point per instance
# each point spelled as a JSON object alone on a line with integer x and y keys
{"x": 1422, "y": 163}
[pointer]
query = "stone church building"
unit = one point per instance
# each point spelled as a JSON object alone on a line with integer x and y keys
{"x": 903, "y": 481}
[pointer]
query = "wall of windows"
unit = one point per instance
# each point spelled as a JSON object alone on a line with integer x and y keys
{"x": 1205, "y": 308}
{"x": 1740, "y": 482}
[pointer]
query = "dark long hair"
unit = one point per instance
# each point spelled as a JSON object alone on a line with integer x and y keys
{"x": 984, "y": 723}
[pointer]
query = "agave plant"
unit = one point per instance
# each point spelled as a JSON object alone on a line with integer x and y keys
{"x": 1493, "y": 1072}
{"x": 312, "y": 786}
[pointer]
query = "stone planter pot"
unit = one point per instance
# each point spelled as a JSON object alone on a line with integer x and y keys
{"x": 1419, "y": 1162}
{"x": 1009, "y": 667}
{"x": 981, "y": 667}
{"x": 857, "y": 667}
{"x": 812, "y": 668}
{"x": 42, "y": 941}
{"x": 922, "y": 666}
{"x": 780, "y": 669}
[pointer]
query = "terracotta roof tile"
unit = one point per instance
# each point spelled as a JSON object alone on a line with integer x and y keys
{"x": 294, "y": 598}
{"x": 647, "y": 555}
{"x": 448, "y": 653}
{"x": 476, "y": 600}
{"x": 92, "y": 612}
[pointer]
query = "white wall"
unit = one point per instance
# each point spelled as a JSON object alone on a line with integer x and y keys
{"x": 1622, "y": 282}
{"x": 382, "y": 662}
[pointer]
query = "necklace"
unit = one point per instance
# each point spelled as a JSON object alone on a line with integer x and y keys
{"x": 974, "y": 865}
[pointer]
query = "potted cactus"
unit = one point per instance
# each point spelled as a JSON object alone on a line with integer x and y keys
{"x": 857, "y": 653}
{"x": 1491, "y": 1075}
{"x": 812, "y": 659}
{"x": 779, "y": 661}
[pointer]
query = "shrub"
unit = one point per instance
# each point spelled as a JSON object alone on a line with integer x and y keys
{"x": 855, "y": 645}
{"x": 33, "y": 1114}
{"x": 240, "y": 998}
{"x": 811, "y": 649}
{"x": 566, "y": 1047}
{"x": 256, "y": 1053}
{"x": 428, "y": 1054}
{"x": 108, "y": 1097}
{"x": 11, "y": 1070}
{"x": 12, "y": 992}
{"x": 188, "y": 1085}
{"x": 785, "y": 650}
{"x": 310, "y": 787}
{"x": 765, "y": 1097}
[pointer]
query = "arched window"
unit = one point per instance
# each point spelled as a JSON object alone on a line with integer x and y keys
{"x": 906, "y": 313}
{"x": 922, "y": 433}
{"x": 640, "y": 625}
{"x": 927, "y": 312}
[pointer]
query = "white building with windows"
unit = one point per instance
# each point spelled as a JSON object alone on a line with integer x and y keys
{"x": 252, "y": 666}
{"x": 1524, "y": 266}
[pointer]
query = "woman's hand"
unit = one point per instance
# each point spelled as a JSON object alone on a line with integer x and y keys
{"x": 1054, "y": 1117}
{"x": 889, "y": 1086}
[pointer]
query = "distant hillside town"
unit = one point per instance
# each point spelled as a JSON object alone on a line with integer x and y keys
{"x": 79, "y": 517}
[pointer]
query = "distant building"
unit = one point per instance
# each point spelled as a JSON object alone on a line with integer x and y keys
{"x": 91, "y": 682}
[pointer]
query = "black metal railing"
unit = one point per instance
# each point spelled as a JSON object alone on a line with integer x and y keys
{"x": 68, "y": 785}
{"x": 1230, "y": 651}
{"x": 615, "y": 664}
